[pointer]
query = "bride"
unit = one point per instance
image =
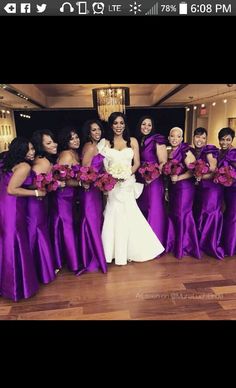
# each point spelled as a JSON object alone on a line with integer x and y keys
{"x": 126, "y": 235}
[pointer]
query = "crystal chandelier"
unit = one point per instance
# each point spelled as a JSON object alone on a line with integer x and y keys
{"x": 109, "y": 100}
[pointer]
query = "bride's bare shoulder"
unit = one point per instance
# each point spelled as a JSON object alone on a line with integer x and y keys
{"x": 107, "y": 143}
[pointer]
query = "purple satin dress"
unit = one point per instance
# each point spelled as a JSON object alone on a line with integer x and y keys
{"x": 228, "y": 158}
{"x": 63, "y": 216}
{"x": 152, "y": 200}
{"x": 91, "y": 251}
{"x": 207, "y": 209}
{"x": 18, "y": 277}
{"x": 40, "y": 243}
{"x": 182, "y": 239}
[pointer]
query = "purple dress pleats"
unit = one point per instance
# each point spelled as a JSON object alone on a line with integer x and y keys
{"x": 208, "y": 209}
{"x": 91, "y": 251}
{"x": 228, "y": 158}
{"x": 18, "y": 278}
{"x": 182, "y": 239}
{"x": 63, "y": 217}
{"x": 152, "y": 200}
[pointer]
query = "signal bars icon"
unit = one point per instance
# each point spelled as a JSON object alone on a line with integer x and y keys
{"x": 153, "y": 10}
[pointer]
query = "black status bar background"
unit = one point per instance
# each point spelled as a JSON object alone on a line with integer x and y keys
{"x": 116, "y": 8}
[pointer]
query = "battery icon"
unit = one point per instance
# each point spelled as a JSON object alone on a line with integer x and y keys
{"x": 183, "y": 8}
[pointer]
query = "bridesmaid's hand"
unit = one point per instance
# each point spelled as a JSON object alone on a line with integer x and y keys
{"x": 42, "y": 193}
{"x": 86, "y": 186}
{"x": 61, "y": 184}
{"x": 174, "y": 178}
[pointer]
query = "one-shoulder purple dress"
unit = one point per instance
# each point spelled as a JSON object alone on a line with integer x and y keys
{"x": 228, "y": 158}
{"x": 182, "y": 231}
{"x": 208, "y": 209}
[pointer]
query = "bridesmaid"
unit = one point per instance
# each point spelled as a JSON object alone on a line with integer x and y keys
{"x": 18, "y": 278}
{"x": 182, "y": 234}
{"x": 46, "y": 151}
{"x": 228, "y": 158}
{"x": 208, "y": 198}
{"x": 63, "y": 204}
{"x": 91, "y": 204}
{"x": 152, "y": 200}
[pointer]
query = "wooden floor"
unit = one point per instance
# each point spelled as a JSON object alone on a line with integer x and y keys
{"x": 166, "y": 288}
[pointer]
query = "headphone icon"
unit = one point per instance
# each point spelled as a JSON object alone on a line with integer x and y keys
{"x": 71, "y": 9}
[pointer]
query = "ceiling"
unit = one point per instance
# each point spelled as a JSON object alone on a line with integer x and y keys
{"x": 74, "y": 96}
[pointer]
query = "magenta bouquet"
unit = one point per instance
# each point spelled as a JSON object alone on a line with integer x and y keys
{"x": 172, "y": 167}
{"x": 149, "y": 171}
{"x": 87, "y": 175}
{"x": 62, "y": 172}
{"x": 199, "y": 168}
{"x": 45, "y": 182}
{"x": 105, "y": 182}
{"x": 225, "y": 175}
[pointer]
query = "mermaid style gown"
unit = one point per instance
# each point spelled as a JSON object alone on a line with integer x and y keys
{"x": 18, "y": 277}
{"x": 207, "y": 209}
{"x": 228, "y": 158}
{"x": 63, "y": 226}
{"x": 182, "y": 232}
{"x": 126, "y": 234}
{"x": 40, "y": 243}
{"x": 91, "y": 250}
{"x": 152, "y": 200}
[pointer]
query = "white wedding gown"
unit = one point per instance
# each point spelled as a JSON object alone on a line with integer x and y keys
{"x": 126, "y": 235}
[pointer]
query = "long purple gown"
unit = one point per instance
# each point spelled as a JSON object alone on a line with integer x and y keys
{"x": 91, "y": 251}
{"x": 152, "y": 200}
{"x": 40, "y": 243}
{"x": 182, "y": 239}
{"x": 63, "y": 226}
{"x": 18, "y": 277}
{"x": 207, "y": 209}
{"x": 228, "y": 158}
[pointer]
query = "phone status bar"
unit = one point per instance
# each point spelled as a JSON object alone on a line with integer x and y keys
{"x": 119, "y": 8}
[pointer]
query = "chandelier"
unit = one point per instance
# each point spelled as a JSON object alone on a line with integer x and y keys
{"x": 109, "y": 100}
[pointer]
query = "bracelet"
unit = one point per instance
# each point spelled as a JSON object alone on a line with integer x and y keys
{"x": 36, "y": 193}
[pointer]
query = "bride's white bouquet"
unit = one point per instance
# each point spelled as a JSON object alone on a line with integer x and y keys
{"x": 120, "y": 171}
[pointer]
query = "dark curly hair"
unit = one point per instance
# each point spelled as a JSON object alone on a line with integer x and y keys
{"x": 64, "y": 137}
{"x": 126, "y": 135}
{"x": 139, "y": 135}
{"x": 16, "y": 154}
{"x": 87, "y": 128}
{"x": 37, "y": 141}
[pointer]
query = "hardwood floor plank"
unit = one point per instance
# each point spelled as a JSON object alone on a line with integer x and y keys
{"x": 161, "y": 289}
